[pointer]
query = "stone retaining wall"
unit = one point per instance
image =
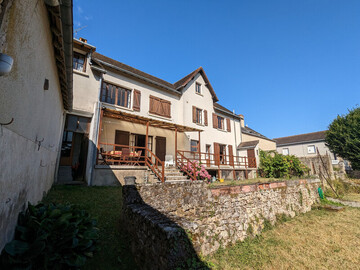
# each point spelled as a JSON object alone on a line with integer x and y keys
{"x": 214, "y": 217}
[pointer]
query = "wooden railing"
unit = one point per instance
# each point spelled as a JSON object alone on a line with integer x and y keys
{"x": 208, "y": 159}
{"x": 180, "y": 159}
{"x": 117, "y": 154}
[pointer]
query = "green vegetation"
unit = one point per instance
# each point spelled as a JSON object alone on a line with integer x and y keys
{"x": 343, "y": 137}
{"x": 307, "y": 241}
{"x": 50, "y": 236}
{"x": 104, "y": 204}
{"x": 275, "y": 165}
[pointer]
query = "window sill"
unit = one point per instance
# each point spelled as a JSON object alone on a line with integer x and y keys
{"x": 200, "y": 124}
{"x": 199, "y": 94}
{"x": 223, "y": 130}
{"x": 159, "y": 116}
{"x": 81, "y": 73}
{"x": 109, "y": 105}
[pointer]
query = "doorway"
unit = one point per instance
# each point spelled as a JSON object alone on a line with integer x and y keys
{"x": 74, "y": 149}
{"x": 160, "y": 150}
{"x": 251, "y": 158}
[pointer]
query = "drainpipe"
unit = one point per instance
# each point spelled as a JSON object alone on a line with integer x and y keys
{"x": 92, "y": 159}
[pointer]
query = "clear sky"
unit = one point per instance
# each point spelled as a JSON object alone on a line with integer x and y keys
{"x": 289, "y": 66}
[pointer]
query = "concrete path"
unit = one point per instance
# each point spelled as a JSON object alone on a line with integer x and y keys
{"x": 347, "y": 203}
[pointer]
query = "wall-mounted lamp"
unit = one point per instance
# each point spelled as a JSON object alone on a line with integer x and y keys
{"x": 6, "y": 63}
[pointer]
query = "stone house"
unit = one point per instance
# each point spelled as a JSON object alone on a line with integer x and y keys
{"x": 127, "y": 122}
{"x": 34, "y": 97}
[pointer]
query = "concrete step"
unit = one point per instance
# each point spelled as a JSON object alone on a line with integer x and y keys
{"x": 175, "y": 178}
{"x": 177, "y": 181}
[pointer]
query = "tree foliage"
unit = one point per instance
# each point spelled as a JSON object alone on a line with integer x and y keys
{"x": 273, "y": 164}
{"x": 343, "y": 137}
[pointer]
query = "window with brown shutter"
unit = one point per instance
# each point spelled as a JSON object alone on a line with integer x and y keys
{"x": 137, "y": 100}
{"x": 215, "y": 121}
{"x": 228, "y": 126}
{"x": 160, "y": 106}
{"x": 194, "y": 114}
{"x": 205, "y": 118}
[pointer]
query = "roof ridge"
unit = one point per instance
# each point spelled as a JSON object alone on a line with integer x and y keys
{"x": 299, "y": 134}
{"x": 184, "y": 80}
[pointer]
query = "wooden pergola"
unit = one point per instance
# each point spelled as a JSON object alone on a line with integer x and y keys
{"x": 146, "y": 121}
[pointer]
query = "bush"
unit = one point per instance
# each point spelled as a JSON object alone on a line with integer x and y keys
{"x": 200, "y": 171}
{"x": 273, "y": 164}
{"x": 50, "y": 236}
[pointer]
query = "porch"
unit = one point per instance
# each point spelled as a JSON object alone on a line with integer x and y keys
{"x": 132, "y": 142}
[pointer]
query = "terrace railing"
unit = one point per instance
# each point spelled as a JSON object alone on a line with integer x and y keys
{"x": 117, "y": 154}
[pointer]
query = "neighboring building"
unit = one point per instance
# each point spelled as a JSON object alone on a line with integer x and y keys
{"x": 304, "y": 145}
{"x": 184, "y": 121}
{"x": 308, "y": 147}
{"x": 252, "y": 142}
{"x": 33, "y": 99}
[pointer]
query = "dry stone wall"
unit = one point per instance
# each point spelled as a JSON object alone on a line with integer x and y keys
{"x": 214, "y": 217}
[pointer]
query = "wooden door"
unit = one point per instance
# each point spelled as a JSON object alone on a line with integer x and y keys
{"x": 122, "y": 138}
{"x": 251, "y": 158}
{"x": 231, "y": 155}
{"x": 217, "y": 154}
{"x": 208, "y": 154}
{"x": 160, "y": 150}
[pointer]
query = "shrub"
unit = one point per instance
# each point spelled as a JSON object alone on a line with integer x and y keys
{"x": 273, "y": 164}
{"x": 200, "y": 171}
{"x": 50, "y": 236}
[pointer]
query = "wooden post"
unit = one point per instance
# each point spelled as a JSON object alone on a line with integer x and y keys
{"x": 98, "y": 138}
{"x": 176, "y": 147}
{"x": 199, "y": 149}
{"x": 146, "y": 140}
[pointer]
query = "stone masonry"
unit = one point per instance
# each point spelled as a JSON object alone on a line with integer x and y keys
{"x": 219, "y": 216}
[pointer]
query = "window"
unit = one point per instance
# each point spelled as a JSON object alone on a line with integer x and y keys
{"x": 116, "y": 95}
{"x": 311, "y": 149}
{"x": 220, "y": 122}
{"x": 160, "y": 106}
{"x": 66, "y": 144}
{"x": 79, "y": 62}
{"x": 194, "y": 145}
{"x": 198, "y": 88}
{"x": 198, "y": 115}
{"x": 285, "y": 151}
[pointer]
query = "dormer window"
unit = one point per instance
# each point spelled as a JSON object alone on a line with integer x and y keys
{"x": 79, "y": 62}
{"x": 198, "y": 88}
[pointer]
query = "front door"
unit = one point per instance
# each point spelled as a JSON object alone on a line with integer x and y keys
{"x": 160, "y": 151}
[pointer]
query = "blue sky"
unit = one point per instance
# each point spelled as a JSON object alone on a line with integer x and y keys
{"x": 289, "y": 66}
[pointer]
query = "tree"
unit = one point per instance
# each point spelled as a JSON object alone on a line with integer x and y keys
{"x": 343, "y": 137}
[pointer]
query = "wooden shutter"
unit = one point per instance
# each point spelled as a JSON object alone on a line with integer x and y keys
{"x": 194, "y": 114}
{"x": 215, "y": 122}
{"x": 251, "y": 158}
{"x": 217, "y": 154}
{"x": 137, "y": 100}
{"x": 205, "y": 118}
{"x": 231, "y": 155}
{"x": 121, "y": 138}
{"x": 228, "y": 127}
{"x": 166, "y": 108}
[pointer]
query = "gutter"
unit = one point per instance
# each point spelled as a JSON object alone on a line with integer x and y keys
{"x": 67, "y": 26}
{"x": 138, "y": 76}
{"x": 228, "y": 113}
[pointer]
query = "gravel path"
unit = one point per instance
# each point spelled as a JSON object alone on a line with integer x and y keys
{"x": 347, "y": 203}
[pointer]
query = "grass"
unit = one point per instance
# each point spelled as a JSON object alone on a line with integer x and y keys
{"x": 251, "y": 181}
{"x": 104, "y": 204}
{"x": 316, "y": 240}
{"x": 352, "y": 197}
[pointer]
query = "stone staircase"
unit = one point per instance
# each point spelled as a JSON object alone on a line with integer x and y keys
{"x": 172, "y": 175}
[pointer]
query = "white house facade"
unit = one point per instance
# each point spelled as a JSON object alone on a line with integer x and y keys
{"x": 127, "y": 122}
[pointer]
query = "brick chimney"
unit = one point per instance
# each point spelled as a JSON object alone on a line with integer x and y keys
{"x": 83, "y": 40}
{"x": 242, "y": 122}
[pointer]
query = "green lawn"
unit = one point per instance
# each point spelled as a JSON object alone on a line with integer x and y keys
{"x": 104, "y": 204}
{"x": 316, "y": 240}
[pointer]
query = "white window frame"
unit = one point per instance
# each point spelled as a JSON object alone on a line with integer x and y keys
{"x": 198, "y": 86}
{"x": 311, "y": 149}
{"x": 285, "y": 151}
